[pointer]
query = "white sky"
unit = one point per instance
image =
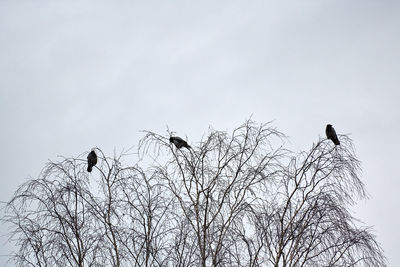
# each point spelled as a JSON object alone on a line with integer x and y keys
{"x": 79, "y": 74}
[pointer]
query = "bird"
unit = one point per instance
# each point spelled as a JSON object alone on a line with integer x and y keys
{"x": 179, "y": 142}
{"x": 92, "y": 160}
{"x": 331, "y": 134}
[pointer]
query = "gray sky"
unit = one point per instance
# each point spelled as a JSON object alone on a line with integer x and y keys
{"x": 78, "y": 74}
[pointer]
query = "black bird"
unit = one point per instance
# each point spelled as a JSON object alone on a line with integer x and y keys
{"x": 331, "y": 134}
{"x": 179, "y": 142}
{"x": 91, "y": 160}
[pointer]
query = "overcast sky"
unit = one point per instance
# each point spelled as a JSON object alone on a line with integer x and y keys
{"x": 79, "y": 74}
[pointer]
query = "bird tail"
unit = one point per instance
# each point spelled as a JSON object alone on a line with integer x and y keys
{"x": 89, "y": 168}
{"x": 336, "y": 141}
{"x": 188, "y": 147}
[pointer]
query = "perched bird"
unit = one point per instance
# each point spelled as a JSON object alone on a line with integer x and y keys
{"x": 179, "y": 142}
{"x": 91, "y": 160}
{"x": 331, "y": 134}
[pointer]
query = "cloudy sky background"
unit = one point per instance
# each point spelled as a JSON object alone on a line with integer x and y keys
{"x": 79, "y": 74}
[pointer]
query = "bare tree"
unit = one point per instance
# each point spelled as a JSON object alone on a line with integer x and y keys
{"x": 216, "y": 184}
{"x": 305, "y": 221}
{"x": 68, "y": 218}
{"x": 51, "y": 221}
{"x": 238, "y": 199}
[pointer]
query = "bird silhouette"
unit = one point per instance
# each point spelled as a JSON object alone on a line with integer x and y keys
{"x": 179, "y": 142}
{"x": 331, "y": 134}
{"x": 92, "y": 160}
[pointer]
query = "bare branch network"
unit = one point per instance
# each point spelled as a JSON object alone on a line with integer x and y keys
{"x": 238, "y": 199}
